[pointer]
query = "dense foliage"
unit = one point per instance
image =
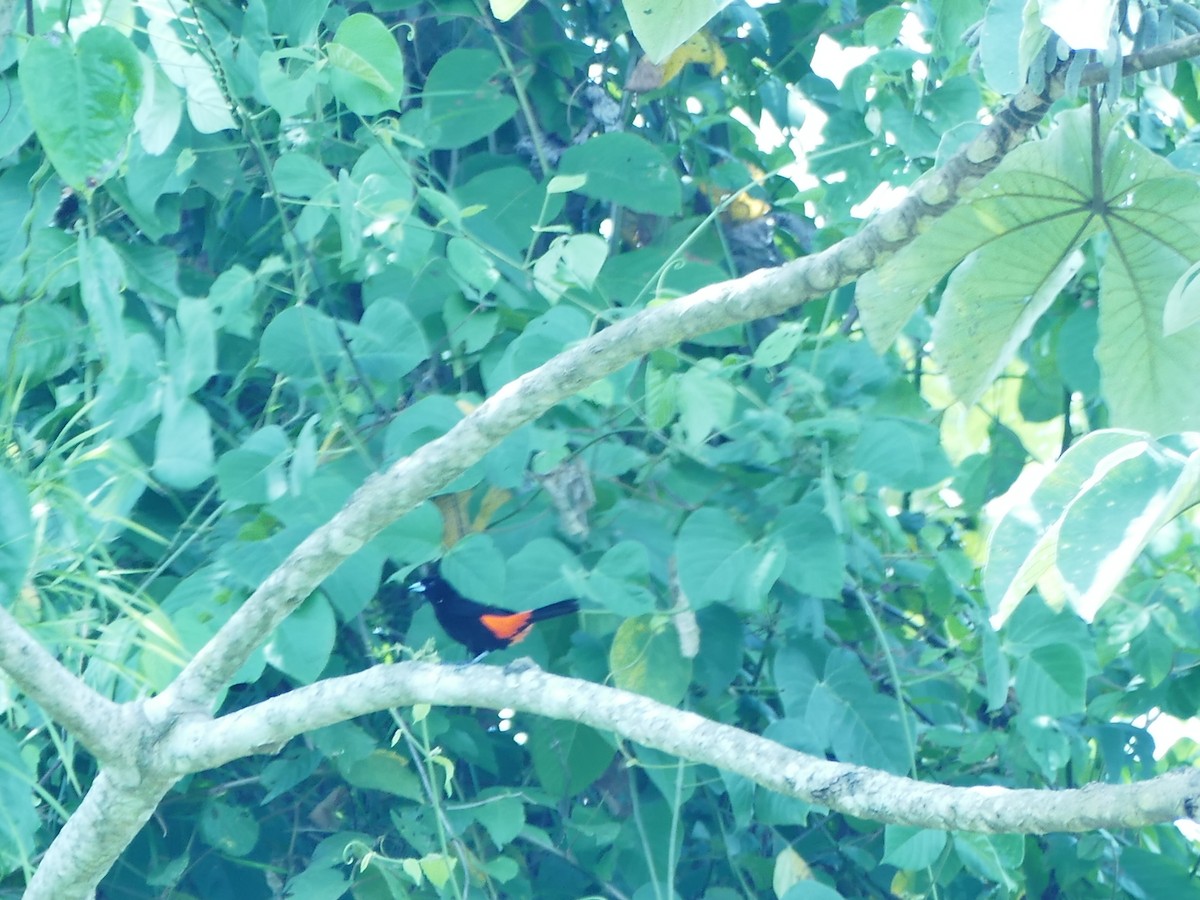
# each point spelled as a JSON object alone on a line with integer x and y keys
{"x": 255, "y": 252}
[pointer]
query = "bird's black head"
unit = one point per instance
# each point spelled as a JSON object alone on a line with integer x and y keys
{"x": 431, "y": 587}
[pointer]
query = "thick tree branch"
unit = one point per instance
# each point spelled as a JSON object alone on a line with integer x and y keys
{"x": 853, "y": 790}
{"x": 117, "y": 805}
{"x": 94, "y": 720}
{"x": 408, "y": 482}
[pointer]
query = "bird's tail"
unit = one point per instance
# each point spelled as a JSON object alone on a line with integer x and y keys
{"x": 553, "y": 610}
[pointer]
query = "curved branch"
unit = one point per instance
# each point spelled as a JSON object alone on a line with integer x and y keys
{"x": 1152, "y": 58}
{"x": 386, "y": 497}
{"x": 92, "y": 719}
{"x": 853, "y": 790}
{"x": 116, "y": 806}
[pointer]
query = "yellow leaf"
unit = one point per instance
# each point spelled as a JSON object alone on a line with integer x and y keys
{"x": 456, "y": 518}
{"x": 506, "y": 9}
{"x": 701, "y": 47}
{"x": 492, "y": 501}
{"x": 745, "y": 208}
{"x": 790, "y": 868}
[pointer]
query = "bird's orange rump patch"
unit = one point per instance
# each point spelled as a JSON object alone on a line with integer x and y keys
{"x": 511, "y": 628}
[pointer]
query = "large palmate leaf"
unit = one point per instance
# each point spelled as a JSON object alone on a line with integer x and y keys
{"x": 1093, "y": 513}
{"x": 1013, "y": 244}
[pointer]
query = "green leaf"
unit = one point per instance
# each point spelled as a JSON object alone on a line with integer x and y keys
{"x": 428, "y": 418}
{"x": 40, "y": 340}
{"x": 1093, "y": 513}
{"x": 542, "y": 571}
{"x": 16, "y": 127}
{"x": 618, "y": 582}
{"x": 865, "y": 726}
{"x": 183, "y": 445}
{"x": 462, "y": 99}
{"x": 816, "y": 556}
{"x": 627, "y": 170}
{"x": 101, "y": 281}
{"x": 564, "y": 184}
{"x": 81, "y": 98}
{"x": 502, "y": 814}
{"x": 476, "y": 268}
{"x": 1138, "y": 490}
{"x": 997, "y": 673}
{"x": 811, "y": 890}
{"x": 387, "y": 771}
{"x": 296, "y": 19}
{"x": 662, "y": 25}
{"x": 476, "y": 567}
{"x": 300, "y": 342}
{"x": 159, "y": 114}
{"x": 1050, "y": 681}
{"x": 16, "y": 535}
{"x": 289, "y": 79}
{"x": 1154, "y": 875}
{"x": 722, "y": 647}
{"x": 1152, "y": 653}
{"x": 994, "y": 857}
{"x": 1155, "y": 238}
{"x": 706, "y": 400}
{"x": 883, "y": 27}
{"x": 416, "y": 537}
{"x": 319, "y": 881}
{"x": 1182, "y": 309}
{"x": 567, "y": 757}
{"x": 112, "y": 478}
{"x": 388, "y": 342}
{"x": 715, "y": 557}
{"x": 1044, "y": 741}
{"x": 988, "y": 309}
{"x": 779, "y": 346}
{"x": 301, "y": 645}
{"x": 1038, "y": 205}
{"x": 192, "y": 345}
{"x": 572, "y": 261}
{"x": 903, "y": 454}
{"x": 253, "y": 472}
{"x": 541, "y": 340}
{"x": 299, "y": 175}
{"x": 645, "y": 658}
{"x": 906, "y": 847}
{"x": 1003, "y": 29}
{"x": 661, "y": 397}
{"x": 1023, "y": 544}
{"x": 124, "y": 405}
{"x": 207, "y": 105}
{"x": 355, "y": 583}
{"x": 511, "y": 207}
{"x": 1035, "y": 624}
{"x": 232, "y": 297}
{"x": 368, "y": 68}
{"x": 19, "y": 823}
{"x": 790, "y": 869}
{"x": 230, "y": 829}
